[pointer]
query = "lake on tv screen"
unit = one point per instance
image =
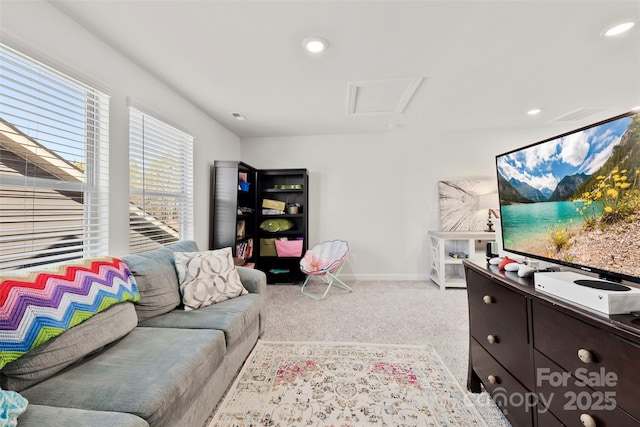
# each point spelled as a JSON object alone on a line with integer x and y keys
{"x": 529, "y": 227}
{"x": 557, "y": 230}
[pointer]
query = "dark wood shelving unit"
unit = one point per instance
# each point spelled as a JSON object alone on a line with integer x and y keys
{"x": 227, "y": 203}
{"x": 227, "y": 198}
{"x": 284, "y": 269}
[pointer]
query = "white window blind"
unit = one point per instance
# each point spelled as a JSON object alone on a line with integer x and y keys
{"x": 161, "y": 183}
{"x": 53, "y": 165}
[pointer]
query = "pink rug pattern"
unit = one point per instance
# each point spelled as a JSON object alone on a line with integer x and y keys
{"x": 345, "y": 385}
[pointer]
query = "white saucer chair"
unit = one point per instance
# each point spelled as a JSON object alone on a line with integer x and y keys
{"x": 325, "y": 262}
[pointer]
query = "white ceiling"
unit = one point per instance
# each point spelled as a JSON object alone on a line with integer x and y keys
{"x": 483, "y": 63}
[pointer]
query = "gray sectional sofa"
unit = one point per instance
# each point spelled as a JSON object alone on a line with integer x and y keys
{"x": 145, "y": 364}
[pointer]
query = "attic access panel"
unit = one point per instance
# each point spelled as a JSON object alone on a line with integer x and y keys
{"x": 389, "y": 96}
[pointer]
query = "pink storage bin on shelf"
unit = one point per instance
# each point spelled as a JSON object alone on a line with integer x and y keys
{"x": 289, "y": 248}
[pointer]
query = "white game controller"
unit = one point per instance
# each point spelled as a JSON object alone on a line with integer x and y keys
{"x": 525, "y": 271}
{"x": 495, "y": 261}
{"x": 512, "y": 266}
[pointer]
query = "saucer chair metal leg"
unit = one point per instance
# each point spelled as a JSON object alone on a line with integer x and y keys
{"x": 332, "y": 280}
{"x": 311, "y": 295}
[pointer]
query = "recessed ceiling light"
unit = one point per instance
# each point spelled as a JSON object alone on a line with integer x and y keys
{"x": 534, "y": 111}
{"x": 315, "y": 44}
{"x": 238, "y": 116}
{"x": 619, "y": 29}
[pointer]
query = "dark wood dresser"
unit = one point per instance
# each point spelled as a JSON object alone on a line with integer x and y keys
{"x": 547, "y": 362}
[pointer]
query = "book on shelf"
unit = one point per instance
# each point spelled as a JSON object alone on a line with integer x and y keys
{"x": 244, "y": 249}
{"x": 273, "y": 204}
{"x": 244, "y": 210}
{"x": 460, "y": 255}
{"x": 272, "y": 212}
{"x": 240, "y": 226}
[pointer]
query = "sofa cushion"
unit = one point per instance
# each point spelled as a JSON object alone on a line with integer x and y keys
{"x": 207, "y": 278}
{"x": 157, "y": 278}
{"x": 45, "y": 416}
{"x": 231, "y": 316}
{"x": 151, "y": 373}
{"x": 38, "y": 305}
{"x": 73, "y": 345}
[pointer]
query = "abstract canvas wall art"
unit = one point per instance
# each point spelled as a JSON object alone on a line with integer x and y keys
{"x": 464, "y": 204}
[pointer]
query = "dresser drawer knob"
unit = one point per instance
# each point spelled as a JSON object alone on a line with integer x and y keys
{"x": 491, "y": 339}
{"x": 487, "y": 299}
{"x": 585, "y": 356}
{"x": 587, "y": 420}
{"x": 492, "y": 379}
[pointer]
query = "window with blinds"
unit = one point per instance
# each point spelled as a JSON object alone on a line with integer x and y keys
{"x": 161, "y": 183}
{"x": 53, "y": 165}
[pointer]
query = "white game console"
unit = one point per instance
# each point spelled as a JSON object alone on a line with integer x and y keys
{"x": 562, "y": 285}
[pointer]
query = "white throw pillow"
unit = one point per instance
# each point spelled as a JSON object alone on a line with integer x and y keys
{"x": 207, "y": 278}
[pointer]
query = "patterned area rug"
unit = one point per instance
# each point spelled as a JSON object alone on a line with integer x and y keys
{"x": 345, "y": 385}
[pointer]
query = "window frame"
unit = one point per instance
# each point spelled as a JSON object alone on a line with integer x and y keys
{"x": 150, "y": 138}
{"x": 38, "y": 117}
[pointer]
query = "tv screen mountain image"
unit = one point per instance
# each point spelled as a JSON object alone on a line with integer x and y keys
{"x": 575, "y": 199}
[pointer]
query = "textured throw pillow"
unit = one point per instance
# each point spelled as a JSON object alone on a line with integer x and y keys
{"x": 207, "y": 278}
{"x": 41, "y": 304}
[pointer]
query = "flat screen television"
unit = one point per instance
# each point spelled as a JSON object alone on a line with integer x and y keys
{"x": 574, "y": 199}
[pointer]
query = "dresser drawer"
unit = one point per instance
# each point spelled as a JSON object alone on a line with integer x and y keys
{"x": 569, "y": 400}
{"x": 546, "y": 419}
{"x": 614, "y": 360}
{"x": 498, "y": 321}
{"x": 510, "y": 396}
{"x": 511, "y": 350}
{"x": 506, "y": 309}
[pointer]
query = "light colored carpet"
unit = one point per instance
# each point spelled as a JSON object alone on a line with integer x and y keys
{"x": 413, "y": 313}
{"x": 298, "y": 384}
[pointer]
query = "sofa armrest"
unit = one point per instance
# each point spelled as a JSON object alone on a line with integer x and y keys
{"x": 254, "y": 281}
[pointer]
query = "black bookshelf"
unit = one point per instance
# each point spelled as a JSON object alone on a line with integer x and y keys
{"x": 290, "y": 186}
{"x": 230, "y": 207}
{"x": 234, "y": 209}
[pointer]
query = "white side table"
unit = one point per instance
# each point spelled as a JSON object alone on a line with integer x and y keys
{"x": 447, "y": 271}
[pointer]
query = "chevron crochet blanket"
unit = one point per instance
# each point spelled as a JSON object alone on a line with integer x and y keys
{"x": 36, "y": 306}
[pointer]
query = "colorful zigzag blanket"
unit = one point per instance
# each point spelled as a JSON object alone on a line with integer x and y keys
{"x": 36, "y": 306}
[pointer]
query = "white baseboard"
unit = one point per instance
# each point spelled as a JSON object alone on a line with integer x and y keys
{"x": 386, "y": 277}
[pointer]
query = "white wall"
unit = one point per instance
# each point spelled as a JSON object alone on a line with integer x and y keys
{"x": 380, "y": 192}
{"x": 40, "y": 30}
{"x": 377, "y": 191}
